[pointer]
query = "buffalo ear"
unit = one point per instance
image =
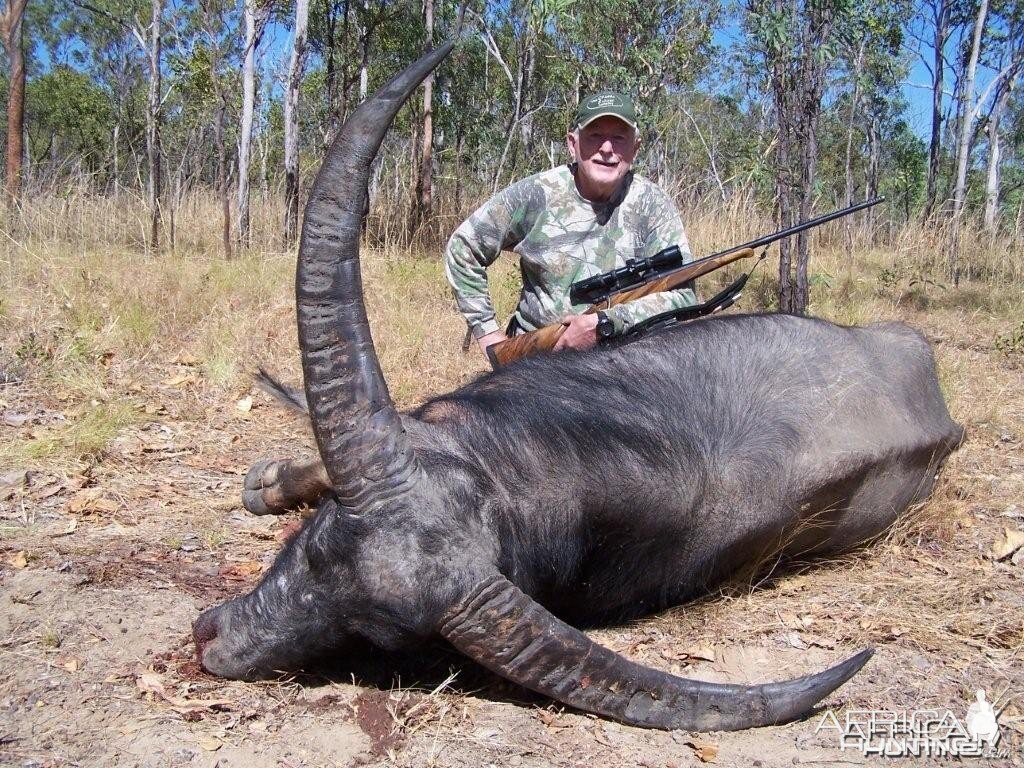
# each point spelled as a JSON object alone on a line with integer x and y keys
{"x": 508, "y": 632}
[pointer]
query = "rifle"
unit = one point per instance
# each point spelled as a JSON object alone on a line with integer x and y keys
{"x": 663, "y": 271}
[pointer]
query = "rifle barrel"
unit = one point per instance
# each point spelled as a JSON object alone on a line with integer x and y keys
{"x": 797, "y": 228}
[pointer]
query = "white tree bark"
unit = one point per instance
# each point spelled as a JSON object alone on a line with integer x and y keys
{"x": 153, "y": 126}
{"x": 253, "y": 31}
{"x": 963, "y": 148}
{"x": 364, "y": 54}
{"x": 291, "y": 123}
{"x": 423, "y": 199}
{"x": 994, "y": 151}
{"x": 941, "y": 13}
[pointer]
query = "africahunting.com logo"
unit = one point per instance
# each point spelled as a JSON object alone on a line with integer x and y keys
{"x": 921, "y": 732}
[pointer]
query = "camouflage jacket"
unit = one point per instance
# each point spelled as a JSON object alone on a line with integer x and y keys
{"x": 560, "y": 238}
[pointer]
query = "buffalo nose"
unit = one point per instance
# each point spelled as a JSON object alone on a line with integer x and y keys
{"x": 204, "y": 630}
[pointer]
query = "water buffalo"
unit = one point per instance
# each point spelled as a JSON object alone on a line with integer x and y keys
{"x": 591, "y": 486}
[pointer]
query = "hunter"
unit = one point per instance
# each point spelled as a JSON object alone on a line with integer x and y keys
{"x": 566, "y": 224}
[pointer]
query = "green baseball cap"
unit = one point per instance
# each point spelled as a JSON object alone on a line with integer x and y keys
{"x": 606, "y": 104}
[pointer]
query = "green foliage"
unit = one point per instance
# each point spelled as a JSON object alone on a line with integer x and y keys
{"x": 1011, "y": 343}
{"x": 701, "y": 72}
{"x": 68, "y": 114}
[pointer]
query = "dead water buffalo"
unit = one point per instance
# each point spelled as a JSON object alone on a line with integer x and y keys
{"x": 590, "y": 486}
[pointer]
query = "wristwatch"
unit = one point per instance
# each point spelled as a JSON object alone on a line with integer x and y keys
{"x": 605, "y": 326}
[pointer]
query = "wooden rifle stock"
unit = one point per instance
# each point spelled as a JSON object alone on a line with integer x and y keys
{"x": 544, "y": 339}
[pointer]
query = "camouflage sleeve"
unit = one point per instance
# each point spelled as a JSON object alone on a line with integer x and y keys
{"x": 666, "y": 228}
{"x": 474, "y": 246}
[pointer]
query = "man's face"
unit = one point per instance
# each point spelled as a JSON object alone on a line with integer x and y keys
{"x": 604, "y": 152}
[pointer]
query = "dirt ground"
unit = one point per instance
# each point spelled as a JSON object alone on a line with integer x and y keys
{"x": 104, "y": 564}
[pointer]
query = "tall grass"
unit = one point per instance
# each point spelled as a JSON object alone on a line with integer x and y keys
{"x": 87, "y": 313}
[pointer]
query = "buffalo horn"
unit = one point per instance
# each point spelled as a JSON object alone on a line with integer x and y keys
{"x": 363, "y": 446}
{"x": 512, "y": 635}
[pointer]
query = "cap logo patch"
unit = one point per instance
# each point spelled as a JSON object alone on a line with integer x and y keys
{"x": 605, "y": 100}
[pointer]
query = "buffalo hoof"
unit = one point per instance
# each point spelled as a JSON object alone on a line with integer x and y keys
{"x": 262, "y": 490}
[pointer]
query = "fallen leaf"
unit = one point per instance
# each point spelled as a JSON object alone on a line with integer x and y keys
{"x": 72, "y": 526}
{"x": 16, "y": 419}
{"x": 705, "y": 751}
{"x": 51, "y": 489}
{"x": 243, "y": 570}
{"x": 702, "y": 652}
{"x": 20, "y": 560}
{"x": 245, "y": 404}
{"x": 15, "y": 479}
{"x": 674, "y": 655}
{"x": 553, "y": 720}
{"x": 795, "y": 583}
{"x": 90, "y": 500}
{"x": 210, "y": 744}
{"x": 1007, "y": 544}
{"x": 72, "y": 664}
{"x": 152, "y": 683}
{"x": 180, "y": 380}
{"x": 932, "y": 564}
{"x": 820, "y": 642}
{"x": 789, "y": 619}
{"x": 793, "y": 639}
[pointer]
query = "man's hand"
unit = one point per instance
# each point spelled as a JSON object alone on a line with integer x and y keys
{"x": 580, "y": 332}
{"x": 490, "y": 338}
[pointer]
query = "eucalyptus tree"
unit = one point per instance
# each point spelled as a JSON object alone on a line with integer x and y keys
{"x": 141, "y": 21}
{"x": 256, "y": 14}
{"x": 69, "y": 122}
{"x": 796, "y": 41}
{"x": 1007, "y": 61}
{"x": 870, "y": 54}
{"x": 296, "y": 63}
{"x": 216, "y": 22}
{"x": 12, "y": 31}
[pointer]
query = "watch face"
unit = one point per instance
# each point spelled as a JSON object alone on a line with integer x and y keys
{"x": 605, "y": 327}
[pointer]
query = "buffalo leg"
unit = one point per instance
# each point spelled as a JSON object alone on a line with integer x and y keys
{"x": 274, "y": 486}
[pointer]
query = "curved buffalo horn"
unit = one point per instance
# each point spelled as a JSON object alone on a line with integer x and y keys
{"x": 509, "y": 633}
{"x": 359, "y": 434}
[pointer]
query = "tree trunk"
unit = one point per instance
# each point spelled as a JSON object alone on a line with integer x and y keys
{"x": 222, "y": 172}
{"x": 992, "y": 176}
{"x": 941, "y": 9}
{"x": 331, "y": 72}
{"x": 798, "y": 76}
{"x": 423, "y": 198}
{"x": 364, "y": 53}
{"x": 291, "y": 124}
{"x": 963, "y": 149}
{"x": 858, "y": 64}
{"x": 14, "y": 42}
{"x": 264, "y": 144}
{"x": 153, "y": 152}
{"x": 116, "y": 160}
{"x": 346, "y": 81}
{"x": 460, "y": 136}
{"x": 873, "y": 169}
{"x": 253, "y": 32}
